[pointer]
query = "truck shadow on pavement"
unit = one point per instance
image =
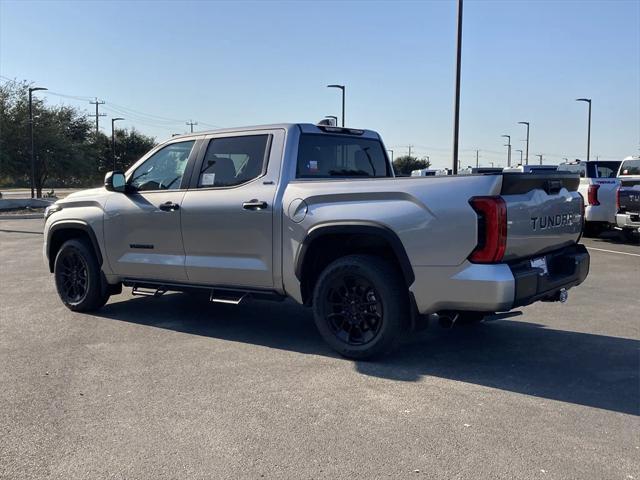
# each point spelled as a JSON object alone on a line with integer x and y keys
{"x": 517, "y": 356}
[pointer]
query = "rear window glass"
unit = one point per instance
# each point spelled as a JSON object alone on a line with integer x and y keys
{"x": 340, "y": 156}
{"x": 630, "y": 167}
{"x": 600, "y": 169}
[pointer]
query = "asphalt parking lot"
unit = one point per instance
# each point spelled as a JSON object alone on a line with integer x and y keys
{"x": 174, "y": 388}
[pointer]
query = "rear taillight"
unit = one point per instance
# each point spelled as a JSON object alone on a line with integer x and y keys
{"x": 492, "y": 229}
{"x": 592, "y": 195}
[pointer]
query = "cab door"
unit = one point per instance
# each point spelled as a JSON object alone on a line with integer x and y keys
{"x": 142, "y": 229}
{"x": 228, "y": 212}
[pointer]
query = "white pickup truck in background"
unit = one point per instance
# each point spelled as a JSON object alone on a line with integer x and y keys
{"x": 598, "y": 186}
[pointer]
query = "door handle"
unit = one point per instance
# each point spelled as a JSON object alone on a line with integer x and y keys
{"x": 169, "y": 207}
{"x": 254, "y": 205}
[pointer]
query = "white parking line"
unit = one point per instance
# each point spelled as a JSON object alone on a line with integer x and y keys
{"x": 614, "y": 251}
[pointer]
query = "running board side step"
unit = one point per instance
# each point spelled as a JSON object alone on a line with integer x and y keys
{"x": 147, "y": 292}
{"x": 228, "y": 297}
{"x": 217, "y": 294}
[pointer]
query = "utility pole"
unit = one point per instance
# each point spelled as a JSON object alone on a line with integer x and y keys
{"x": 540, "y": 157}
{"x": 520, "y": 155}
{"x": 588, "y": 100}
{"x": 456, "y": 104}
{"x": 527, "y": 153}
{"x": 33, "y": 155}
{"x": 410, "y": 147}
{"x": 508, "y": 137}
{"x": 98, "y": 114}
{"x": 477, "y": 158}
{"x": 343, "y": 88}
{"x": 113, "y": 140}
{"x": 391, "y": 154}
{"x": 191, "y": 123}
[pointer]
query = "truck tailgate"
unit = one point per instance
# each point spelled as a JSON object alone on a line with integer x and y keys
{"x": 544, "y": 212}
{"x": 629, "y": 199}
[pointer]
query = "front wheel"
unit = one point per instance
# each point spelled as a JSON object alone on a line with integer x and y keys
{"x": 361, "y": 306}
{"x": 78, "y": 278}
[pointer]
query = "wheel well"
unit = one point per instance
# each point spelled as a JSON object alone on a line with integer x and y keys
{"x": 323, "y": 249}
{"x": 61, "y": 235}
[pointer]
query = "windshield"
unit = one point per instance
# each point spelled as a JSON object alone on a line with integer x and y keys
{"x": 630, "y": 167}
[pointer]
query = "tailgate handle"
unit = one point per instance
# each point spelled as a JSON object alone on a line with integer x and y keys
{"x": 553, "y": 186}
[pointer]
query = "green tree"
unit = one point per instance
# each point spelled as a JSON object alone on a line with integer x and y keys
{"x": 67, "y": 151}
{"x": 405, "y": 165}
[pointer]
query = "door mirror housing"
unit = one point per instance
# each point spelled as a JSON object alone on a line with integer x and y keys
{"x": 115, "y": 182}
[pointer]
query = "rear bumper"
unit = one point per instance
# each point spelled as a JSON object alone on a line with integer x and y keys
{"x": 498, "y": 287}
{"x": 600, "y": 213}
{"x": 567, "y": 268}
{"x": 628, "y": 220}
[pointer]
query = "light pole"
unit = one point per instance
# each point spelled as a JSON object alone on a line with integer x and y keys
{"x": 508, "y": 137}
{"x": 113, "y": 140}
{"x": 32, "y": 148}
{"x": 391, "y": 154}
{"x": 527, "y": 152}
{"x": 334, "y": 118}
{"x": 456, "y": 102}
{"x": 341, "y": 87}
{"x": 520, "y": 156}
{"x": 540, "y": 157}
{"x": 588, "y": 100}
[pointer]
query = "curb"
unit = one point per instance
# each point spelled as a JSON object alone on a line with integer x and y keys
{"x": 22, "y": 217}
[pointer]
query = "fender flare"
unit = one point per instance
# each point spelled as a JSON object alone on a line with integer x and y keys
{"x": 73, "y": 225}
{"x": 359, "y": 228}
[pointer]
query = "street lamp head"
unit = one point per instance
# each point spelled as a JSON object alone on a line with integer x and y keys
{"x": 506, "y": 136}
{"x": 523, "y": 123}
{"x": 35, "y": 89}
{"x": 588, "y": 100}
{"x": 116, "y": 119}
{"x": 336, "y": 86}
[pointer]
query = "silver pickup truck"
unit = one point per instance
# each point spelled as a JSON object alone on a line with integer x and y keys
{"x": 315, "y": 213}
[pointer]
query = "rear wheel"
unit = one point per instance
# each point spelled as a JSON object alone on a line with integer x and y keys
{"x": 593, "y": 229}
{"x": 361, "y": 306}
{"x": 78, "y": 279}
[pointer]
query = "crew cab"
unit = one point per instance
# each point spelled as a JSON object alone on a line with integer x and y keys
{"x": 598, "y": 186}
{"x": 628, "y": 198}
{"x": 315, "y": 213}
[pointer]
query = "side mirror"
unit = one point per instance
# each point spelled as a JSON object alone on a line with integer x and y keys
{"x": 115, "y": 182}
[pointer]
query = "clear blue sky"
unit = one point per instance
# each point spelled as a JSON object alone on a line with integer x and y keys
{"x": 242, "y": 63}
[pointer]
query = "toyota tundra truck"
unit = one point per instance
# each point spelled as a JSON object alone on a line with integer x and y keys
{"x": 598, "y": 186}
{"x": 315, "y": 213}
{"x": 628, "y": 199}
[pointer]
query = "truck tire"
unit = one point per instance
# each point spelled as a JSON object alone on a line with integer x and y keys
{"x": 78, "y": 279}
{"x": 361, "y": 306}
{"x": 592, "y": 229}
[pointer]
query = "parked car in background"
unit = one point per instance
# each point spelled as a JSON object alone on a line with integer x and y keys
{"x": 628, "y": 198}
{"x": 476, "y": 170}
{"x": 598, "y": 186}
{"x": 531, "y": 168}
{"x": 426, "y": 172}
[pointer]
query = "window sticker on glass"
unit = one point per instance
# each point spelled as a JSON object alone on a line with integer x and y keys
{"x": 208, "y": 179}
{"x": 313, "y": 165}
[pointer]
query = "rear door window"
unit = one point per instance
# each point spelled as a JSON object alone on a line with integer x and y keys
{"x": 231, "y": 161}
{"x": 340, "y": 156}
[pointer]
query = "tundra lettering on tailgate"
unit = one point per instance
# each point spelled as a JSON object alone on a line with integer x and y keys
{"x": 552, "y": 221}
